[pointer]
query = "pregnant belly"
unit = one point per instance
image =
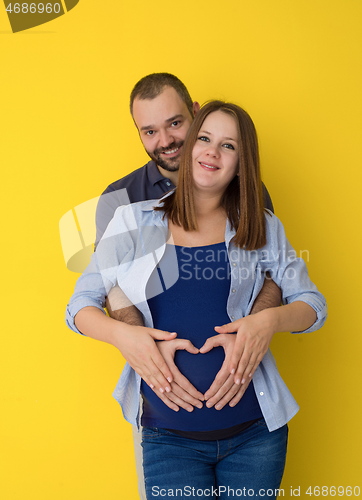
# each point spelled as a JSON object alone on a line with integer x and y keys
{"x": 200, "y": 369}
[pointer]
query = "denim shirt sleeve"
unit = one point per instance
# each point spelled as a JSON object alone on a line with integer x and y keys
{"x": 290, "y": 273}
{"x": 100, "y": 276}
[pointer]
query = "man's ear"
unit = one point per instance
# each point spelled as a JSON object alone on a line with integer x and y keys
{"x": 195, "y": 107}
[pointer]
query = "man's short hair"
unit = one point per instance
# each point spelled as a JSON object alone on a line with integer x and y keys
{"x": 151, "y": 86}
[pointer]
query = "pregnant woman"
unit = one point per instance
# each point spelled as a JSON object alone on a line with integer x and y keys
{"x": 193, "y": 263}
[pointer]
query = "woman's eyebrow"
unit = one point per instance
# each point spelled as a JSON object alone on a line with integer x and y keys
{"x": 223, "y": 138}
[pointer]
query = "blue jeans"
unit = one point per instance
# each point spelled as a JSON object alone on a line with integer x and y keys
{"x": 249, "y": 464}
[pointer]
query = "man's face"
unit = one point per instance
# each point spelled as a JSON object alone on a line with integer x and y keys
{"x": 163, "y": 123}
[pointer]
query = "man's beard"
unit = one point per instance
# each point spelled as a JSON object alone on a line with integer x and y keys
{"x": 171, "y": 164}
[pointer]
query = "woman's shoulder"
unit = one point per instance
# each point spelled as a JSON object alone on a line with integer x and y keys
{"x": 139, "y": 209}
{"x": 275, "y": 232}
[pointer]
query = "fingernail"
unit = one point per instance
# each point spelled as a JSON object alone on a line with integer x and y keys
{"x": 199, "y": 405}
{"x": 161, "y": 390}
{"x": 190, "y": 409}
{"x": 233, "y": 371}
{"x": 231, "y": 404}
{"x": 218, "y": 407}
{"x": 243, "y": 381}
{"x": 208, "y": 404}
{"x": 169, "y": 379}
{"x": 237, "y": 381}
{"x": 168, "y": 389}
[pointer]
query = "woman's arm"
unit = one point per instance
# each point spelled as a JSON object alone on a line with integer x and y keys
{"x": 136, "y": 343}
{"x": 255, "y": 332}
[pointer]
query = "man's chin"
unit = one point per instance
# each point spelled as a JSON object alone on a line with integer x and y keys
{"x": 169, "y": 166}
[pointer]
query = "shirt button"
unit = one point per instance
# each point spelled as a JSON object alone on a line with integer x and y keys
{"x": 234, "y": 264}
{"x": 232, "y": 317}
{"x": 261, "y": 393}
{"x": 168, "y": 183}
{"x": 233, "y": 290}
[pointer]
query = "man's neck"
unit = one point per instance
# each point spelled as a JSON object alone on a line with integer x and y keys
{"x": 173, "y": 176}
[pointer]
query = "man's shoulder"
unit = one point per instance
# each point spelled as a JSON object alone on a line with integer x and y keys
{"x": 135, "y": 177}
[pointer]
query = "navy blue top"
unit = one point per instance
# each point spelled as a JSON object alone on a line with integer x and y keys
{"x": 192, "y": 307}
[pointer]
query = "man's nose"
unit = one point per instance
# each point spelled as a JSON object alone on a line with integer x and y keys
{"x": 166, "y": 138}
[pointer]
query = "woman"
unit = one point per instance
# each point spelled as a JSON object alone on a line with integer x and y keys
{"x": 191, "y": 261}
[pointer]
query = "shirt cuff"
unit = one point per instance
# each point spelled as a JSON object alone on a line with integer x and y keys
{"x": 317, "y": 303}
{"x": 73, "y": 309}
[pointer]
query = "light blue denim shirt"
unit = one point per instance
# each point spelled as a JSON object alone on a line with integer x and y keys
{"x": 131, "y": 248}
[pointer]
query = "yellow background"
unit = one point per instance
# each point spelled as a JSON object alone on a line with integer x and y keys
{"x": 66, "y": 134}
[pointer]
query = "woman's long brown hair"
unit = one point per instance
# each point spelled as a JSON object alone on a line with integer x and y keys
{"x": 242, "y": 199}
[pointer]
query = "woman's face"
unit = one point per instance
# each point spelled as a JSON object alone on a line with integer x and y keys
{"x": 215, "y": 156}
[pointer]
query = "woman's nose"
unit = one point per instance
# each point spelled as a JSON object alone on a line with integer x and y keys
{"x": 212, "y": 151}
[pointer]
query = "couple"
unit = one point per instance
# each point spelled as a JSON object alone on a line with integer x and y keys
{"x": 236, "y": 437}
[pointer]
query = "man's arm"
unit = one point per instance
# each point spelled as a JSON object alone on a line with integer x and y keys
{"x": 269, "y": 296}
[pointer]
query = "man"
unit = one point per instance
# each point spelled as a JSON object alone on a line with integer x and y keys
{"x": 163, "y": 110}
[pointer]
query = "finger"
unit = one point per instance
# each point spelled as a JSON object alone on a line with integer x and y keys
{"x": 210, "y": 343}
{"x": 168, "y": 401}
{"x": 220, "y": 379}
{"x": 161, "y": 335}
{"x": 215, "y": 400}
{"x": 183, "y": 398}
{"x": 239, "y": 357}
{"x": 186, "y": 345}
{"x": 249, "y": 368}
{"x": 227, "y": 328}
{"x": 240, "y": 393}
{"x": 157, "y": 373}
{"x": 186, "y": 385}
{"x": 242, "y": 364}
{"x": 259, "y": 359}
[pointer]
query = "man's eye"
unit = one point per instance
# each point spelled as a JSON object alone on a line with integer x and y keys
{"x": 150, "y": 132}
{"x": 203, "y": 138}
{"x": 175, "y": 123}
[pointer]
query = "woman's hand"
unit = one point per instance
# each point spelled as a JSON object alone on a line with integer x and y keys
{"x": 223, "y": 390}
{"x": 253, "y": 336}
{"x": 183, "y": 394}
{"x": 137, "y": 345}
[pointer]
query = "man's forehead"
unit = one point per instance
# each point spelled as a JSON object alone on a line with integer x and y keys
{"x": 164, "y": 108}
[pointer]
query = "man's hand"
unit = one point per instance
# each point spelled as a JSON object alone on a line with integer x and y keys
{"x": 253, "y": 336}
{"x": 223, "y": 390}
{"x": 183, "y": 394}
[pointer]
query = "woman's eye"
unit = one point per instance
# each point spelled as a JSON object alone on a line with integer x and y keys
{"x": 229, "y": 146}
{"x": 203, "y": 138}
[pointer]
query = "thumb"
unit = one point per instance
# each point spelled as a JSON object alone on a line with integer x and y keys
{"x": 161, "y": 335}
{"x": 188, "y": 346}
{"x": 210, "y": 343}
{"x": 228, "y": 327}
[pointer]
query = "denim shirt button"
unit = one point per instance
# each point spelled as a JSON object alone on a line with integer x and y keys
{"x": 261, "y": 393}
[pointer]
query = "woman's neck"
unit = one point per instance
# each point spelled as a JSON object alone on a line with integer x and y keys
{"x": 211, "y": 222}
{"x": 207, "y": 205}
